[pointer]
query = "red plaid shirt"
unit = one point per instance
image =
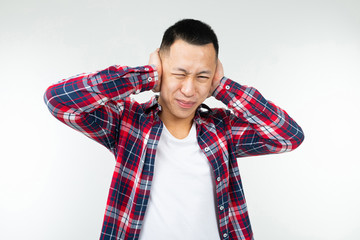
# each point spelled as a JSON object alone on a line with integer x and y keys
{"x": 98, "y": 105}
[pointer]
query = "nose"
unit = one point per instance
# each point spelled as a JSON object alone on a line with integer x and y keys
{"x": 188, "y": 87}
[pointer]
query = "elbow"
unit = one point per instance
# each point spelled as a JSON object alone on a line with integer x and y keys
{"x": 301, "y": 138}
{"x": 297, "y": 139}
{"x": 49, "y": 98}
{"x": 286, "y": 144}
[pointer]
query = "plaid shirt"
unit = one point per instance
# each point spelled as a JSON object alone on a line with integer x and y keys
{"x": 99, "y": 105}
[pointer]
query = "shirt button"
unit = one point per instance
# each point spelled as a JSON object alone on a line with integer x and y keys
{"x": 207, "y": 149}
{"x": 149, "y": 79}
{"x": 227, "y": 87}
{"x": 221, "y": 208}
{"x": 225, "y": 235}
{"x": 218, "y": 179}
{"x": 146, "y": 69}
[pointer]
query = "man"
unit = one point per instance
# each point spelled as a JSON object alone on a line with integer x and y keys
{"x": 176, "y": 173}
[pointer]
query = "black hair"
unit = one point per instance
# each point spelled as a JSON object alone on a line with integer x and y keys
{"x": 191, "y": 31}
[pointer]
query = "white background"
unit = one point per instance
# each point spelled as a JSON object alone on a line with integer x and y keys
{"x": 302, "y": 55}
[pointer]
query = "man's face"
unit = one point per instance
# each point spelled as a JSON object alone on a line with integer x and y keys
{"x": 187, "y": 74}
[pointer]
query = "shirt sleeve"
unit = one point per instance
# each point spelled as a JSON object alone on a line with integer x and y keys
{"x": 258, "y": 126}
{"x": 93, "y": 103}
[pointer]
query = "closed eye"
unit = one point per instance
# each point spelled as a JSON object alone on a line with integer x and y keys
{"x": 203, "y": 78}
{"x": 179, "y": 75}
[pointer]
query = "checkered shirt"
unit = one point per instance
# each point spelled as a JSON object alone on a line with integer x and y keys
{"x": 98, "y": 104}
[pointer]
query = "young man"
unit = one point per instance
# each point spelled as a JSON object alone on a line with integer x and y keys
{"x": 176, "y": 173}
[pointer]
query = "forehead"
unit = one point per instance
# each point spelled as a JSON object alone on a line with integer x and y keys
{"x": 188, "y": 56}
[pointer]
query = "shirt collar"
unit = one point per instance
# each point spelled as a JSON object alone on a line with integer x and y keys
{"x": 152, "y": 104}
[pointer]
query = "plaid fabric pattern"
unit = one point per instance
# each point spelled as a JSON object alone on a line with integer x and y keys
{"x": 99, "y": 105}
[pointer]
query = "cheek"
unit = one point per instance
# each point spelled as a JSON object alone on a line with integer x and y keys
{"x": 168, "y": 85}
{"x": 204, "y": 89}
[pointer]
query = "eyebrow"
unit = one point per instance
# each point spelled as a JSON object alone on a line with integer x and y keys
{"x": 186, "y": 72}
{"x": 205, "y": 72}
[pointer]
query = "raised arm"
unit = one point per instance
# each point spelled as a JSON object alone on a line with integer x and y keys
{"x": 93, "y": 103}
{"x": 258, "y": 126}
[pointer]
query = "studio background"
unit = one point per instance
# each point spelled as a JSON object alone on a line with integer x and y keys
{"x": 302, "y": 55}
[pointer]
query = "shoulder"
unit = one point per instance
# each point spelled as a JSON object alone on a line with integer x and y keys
{"x": 130, "y": 106}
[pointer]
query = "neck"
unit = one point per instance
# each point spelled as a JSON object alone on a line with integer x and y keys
{"x": 179, "y": 128}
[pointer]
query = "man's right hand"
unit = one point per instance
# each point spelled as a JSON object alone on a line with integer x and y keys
{"x": 156, "y": 60}
{"x": 219, "y": 74}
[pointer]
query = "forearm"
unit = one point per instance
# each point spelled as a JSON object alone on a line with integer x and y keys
{"x": 86, "y": 92}
{"x": 275, "y": 128}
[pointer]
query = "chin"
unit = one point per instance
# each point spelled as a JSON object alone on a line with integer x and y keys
{"x": 185, "y": 114}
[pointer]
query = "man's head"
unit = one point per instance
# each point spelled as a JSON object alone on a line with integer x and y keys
{"x": 188, "y": 54}
{"x": 191, "y": 31}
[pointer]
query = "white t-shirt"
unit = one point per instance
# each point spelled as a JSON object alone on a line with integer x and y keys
{"x": 182, "y": 201}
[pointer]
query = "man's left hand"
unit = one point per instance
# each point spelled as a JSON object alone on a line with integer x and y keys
{"x": 219, "y": 74}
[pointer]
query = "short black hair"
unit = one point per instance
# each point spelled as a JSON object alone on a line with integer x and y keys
{"x": 191, "y": 31}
